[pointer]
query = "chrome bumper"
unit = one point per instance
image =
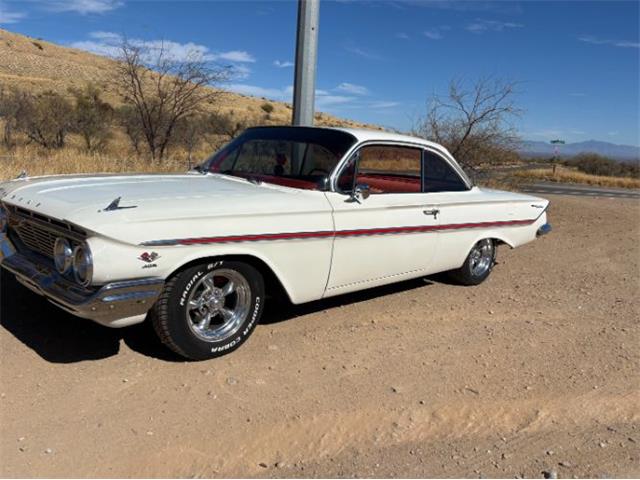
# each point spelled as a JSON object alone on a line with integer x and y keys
{"x": 116, "y": 304}
{"x": 543, "y": 230}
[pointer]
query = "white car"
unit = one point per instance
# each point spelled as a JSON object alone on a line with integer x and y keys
{"x": 312, "y": 212}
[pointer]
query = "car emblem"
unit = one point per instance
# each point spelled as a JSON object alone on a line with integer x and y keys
{"x": 149, "y": 257}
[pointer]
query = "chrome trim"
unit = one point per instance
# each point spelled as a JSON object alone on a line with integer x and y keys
{"x": 115, "y": 205}
{"x": 543, "y": 230}
{"x": 39, "y": 232}
{"x": 114, "y": 301}
{"x": 84, "y": 248}
{"x": 446, "y": 156}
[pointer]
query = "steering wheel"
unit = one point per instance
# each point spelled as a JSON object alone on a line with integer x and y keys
{"x": 321, "y": 170}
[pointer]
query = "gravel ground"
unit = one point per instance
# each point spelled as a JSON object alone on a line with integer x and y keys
{"x": 533, "y": 373}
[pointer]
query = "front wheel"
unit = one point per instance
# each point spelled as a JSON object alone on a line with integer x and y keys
{"x": 210, "y": 309}
{"x": 478, "y": 264}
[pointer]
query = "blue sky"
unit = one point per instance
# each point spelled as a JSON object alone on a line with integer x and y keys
{"x": 379, "y": 61}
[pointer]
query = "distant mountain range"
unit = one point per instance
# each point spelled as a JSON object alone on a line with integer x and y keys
{"x": 618, "y": 152}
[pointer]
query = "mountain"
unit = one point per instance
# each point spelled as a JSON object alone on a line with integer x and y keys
{"x": 618, "y": 152}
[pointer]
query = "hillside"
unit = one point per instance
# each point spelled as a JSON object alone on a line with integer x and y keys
{"x": 35, "y": 65}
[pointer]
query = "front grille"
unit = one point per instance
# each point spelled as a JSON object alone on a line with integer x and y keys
{"x": 38, "y": 232}
{"x": 36, "y": 238}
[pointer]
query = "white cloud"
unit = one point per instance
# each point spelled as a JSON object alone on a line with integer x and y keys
{"x": 353, "y": 89}
{"x": 362, "y": 53}
{"x": 482, "y": 26}
{"x": 604, "y": 41}
{"x": 329, "y": 100}
{"x": 402, "y": 35}
{"x": 383, "y": 104}
{"x": 285, "y": 64}
{"x": 435, "y": 33}
{"x": 108, "y": 44}
{"x": 281, "y": 94}
{"x": 84, "y": 7}
{"x": 325, "y": 99}
{"x": 240, "y": 72}
{"x": 7, "y": 16}
{"x": 239, "y": 56}
{"x": 613, "y": 133}
{"x": 432, "y": 34}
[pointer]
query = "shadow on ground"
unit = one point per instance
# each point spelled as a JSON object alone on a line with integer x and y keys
{"x": 59, "y": 337}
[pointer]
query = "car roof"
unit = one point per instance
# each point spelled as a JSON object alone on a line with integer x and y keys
{"x": 364, "y": 134}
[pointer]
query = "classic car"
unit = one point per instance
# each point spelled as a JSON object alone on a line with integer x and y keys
{"x": 311, "y": 212}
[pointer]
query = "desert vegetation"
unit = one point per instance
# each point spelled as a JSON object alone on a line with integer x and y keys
{"x": 474, "y": 120}
{"x": 572, "y": 175}
{"x": 66, "y": 111}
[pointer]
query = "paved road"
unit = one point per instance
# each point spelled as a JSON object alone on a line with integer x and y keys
{"x": 580, "y": 190}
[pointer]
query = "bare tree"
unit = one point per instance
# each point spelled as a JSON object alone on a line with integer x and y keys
{"x": 92, "y": 117}
{"x": 163, "y": 90}
{"x": 127, "y": 117}
{"x": 473, "y": 122}
{"x": 189, "y": 133}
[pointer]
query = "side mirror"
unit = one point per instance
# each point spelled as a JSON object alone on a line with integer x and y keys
{"x": 360, "y": 192}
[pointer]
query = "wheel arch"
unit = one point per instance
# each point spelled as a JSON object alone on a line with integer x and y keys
{"x": 274, "y": 286}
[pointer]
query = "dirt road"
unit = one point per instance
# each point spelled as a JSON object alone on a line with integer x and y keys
{"x": 535, "y": 370}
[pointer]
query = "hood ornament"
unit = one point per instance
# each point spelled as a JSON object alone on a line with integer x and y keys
{"x": 115, "y": 205}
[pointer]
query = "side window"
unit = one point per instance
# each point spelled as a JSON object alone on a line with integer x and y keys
{"x": 385, "y": 169}
{"x": 439, "y": 176}
{"x": 318, "y": 161}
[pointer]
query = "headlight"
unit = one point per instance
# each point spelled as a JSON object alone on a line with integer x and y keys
{"x": 3, "y": 220}
{"x": 62, "y": 255}
{"x": 82, "y": 264}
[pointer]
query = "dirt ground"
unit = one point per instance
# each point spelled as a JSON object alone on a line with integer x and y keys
{"x": 536, "y": 370}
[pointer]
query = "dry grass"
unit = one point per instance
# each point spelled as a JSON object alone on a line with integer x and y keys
{"x": 36, "y": 162}
{"x": 565, "y": 175}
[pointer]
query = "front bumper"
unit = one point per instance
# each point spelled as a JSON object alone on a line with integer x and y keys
{"x": 115, "y": 304}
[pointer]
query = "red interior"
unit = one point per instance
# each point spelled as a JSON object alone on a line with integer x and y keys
{"x": 391, "y": 184}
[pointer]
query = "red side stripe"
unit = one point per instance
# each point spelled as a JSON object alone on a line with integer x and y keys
{"x": 342, "y": 233}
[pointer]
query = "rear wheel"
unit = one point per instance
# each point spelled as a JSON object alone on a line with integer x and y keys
{"x": 478, "y": 264}
{"x": 210, "y": 309}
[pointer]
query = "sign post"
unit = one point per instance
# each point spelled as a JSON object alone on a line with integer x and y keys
{"x": 556, "y": 153}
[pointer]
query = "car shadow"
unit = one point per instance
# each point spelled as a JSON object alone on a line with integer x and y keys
{"x": 59, "y": 337}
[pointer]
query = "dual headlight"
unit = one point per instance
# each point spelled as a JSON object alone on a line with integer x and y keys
{"x": 77, "y": 259}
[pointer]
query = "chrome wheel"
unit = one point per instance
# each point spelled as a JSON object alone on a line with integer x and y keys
{"x": 481, "y": 257}
{"x": 218, "y": 305}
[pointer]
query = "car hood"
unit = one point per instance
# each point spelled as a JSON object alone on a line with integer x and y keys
{"x": 83, "y": 200}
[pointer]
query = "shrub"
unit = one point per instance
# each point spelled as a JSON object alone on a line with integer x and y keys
{"x": 595, "y": 164}
{"x": 92, "y": 117}
{"x": 267, "y": 108}
{"x": 45, "y": 119}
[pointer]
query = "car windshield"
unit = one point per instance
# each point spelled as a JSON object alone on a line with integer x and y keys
{"x": 300, "y": 157}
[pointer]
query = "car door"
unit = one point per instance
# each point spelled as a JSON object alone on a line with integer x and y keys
{"x": 391, "y": 233}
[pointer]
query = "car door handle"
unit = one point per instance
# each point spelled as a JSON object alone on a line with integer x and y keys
{"x": 432, "y": 211}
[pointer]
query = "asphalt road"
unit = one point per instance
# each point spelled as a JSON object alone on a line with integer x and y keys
{"x": 580, "y": 190}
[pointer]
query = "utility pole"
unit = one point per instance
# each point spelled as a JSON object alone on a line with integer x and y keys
{"x": 304, "y": 84}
